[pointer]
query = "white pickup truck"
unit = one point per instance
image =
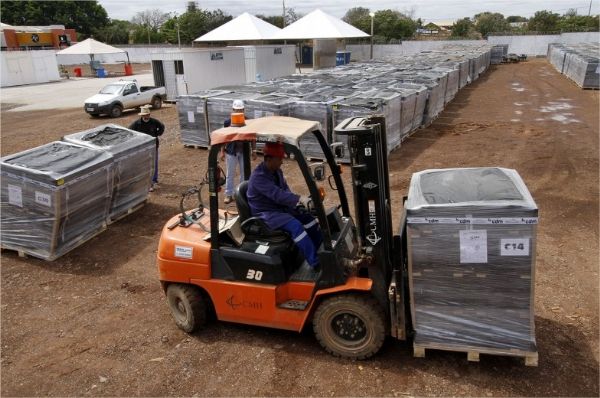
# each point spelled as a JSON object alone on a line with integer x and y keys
{"x": 123, "y": 94}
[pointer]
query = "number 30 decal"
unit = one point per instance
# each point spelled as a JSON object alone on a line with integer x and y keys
{"x": 252, "y": 274}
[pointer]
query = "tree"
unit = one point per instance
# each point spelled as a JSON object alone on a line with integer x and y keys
{"x": 276, "y": 20}
{"x": 359, "y": 18}
{"x": 515, "y": 18}
{"x": 83, "y": 16}
{"x": 487, "y": 22}
{"x": 571, "y": 22}
{"x": 116, "y": 32}
{"x": 544, "y": 22}
{"x": 463, "y": 28}
{"x": 193, "y": 23}
{"x": 391, "y": 24}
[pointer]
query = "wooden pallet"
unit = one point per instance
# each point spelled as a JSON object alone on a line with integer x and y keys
{"x": 530, "y": 357}
{"x": 128, "y": 212}
{"x": 196, "y": 146}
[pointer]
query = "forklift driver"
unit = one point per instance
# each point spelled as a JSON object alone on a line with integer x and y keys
{"x": 270, "y": 198}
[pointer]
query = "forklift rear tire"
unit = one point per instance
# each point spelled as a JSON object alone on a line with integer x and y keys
{"x": 350, "y": 326}
{"x": 187, "y": 307}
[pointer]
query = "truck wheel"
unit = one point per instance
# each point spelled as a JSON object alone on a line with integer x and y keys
{"x": 156, "y": 103}
{"x": 187, "y": 307}
{"x": 350, "y": 326}
{"x": 116, "y": 111}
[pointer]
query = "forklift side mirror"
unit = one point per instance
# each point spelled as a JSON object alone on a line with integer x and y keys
{"x": 318, "y": 171}
{"x": 338, "y": 149}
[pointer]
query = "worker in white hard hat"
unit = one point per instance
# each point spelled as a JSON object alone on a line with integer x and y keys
{"x": 234, "y": 151}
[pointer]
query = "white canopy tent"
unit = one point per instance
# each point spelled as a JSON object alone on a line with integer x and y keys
{"x": 91, "y": 47}
{"x": 245, "y": 27}
{"x": 319, "y": 25}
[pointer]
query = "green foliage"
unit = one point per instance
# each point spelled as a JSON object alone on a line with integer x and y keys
{"x": 487, "y": 22}
{"x": 463, "y": 28}
{"x": 83, "y": 16}
{"x": 515, "y": 18}
{"x": 577, "y": 23}
{"x": 392, "y": 24}
{"x": 116, "y": 32}
{"x": 359, "y": 18}
{"x": 192, "y": 24}
{"x": 276, "y": 20}
{"x": 544, "y": 22}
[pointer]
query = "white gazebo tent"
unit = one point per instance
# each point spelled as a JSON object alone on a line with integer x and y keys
{"x": 319, "y": 25}
{"x": 245, "y": 27}
{"x": 324, "y": 30}
{"x": 91, "y": 47}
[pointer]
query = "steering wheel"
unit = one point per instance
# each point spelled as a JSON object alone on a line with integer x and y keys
{"x": 309, "y": 208}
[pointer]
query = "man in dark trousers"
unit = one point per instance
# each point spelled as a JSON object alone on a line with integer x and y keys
{"x": 271, "y": 199}
{"x": 148, "y": 125}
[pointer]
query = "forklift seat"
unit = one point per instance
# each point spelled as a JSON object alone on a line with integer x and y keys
{"x": 255, "y": 227}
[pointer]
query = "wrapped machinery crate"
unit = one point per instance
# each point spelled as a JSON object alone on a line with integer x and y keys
{"x": 471, "y": 254}
{"x": 133, "y": 156}
{"x": 192, "y": 117}
{"x": 54, "y": 198}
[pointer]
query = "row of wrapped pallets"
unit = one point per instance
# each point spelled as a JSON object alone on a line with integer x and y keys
{"x": 410, "y": 91}
{"x": 579, "y": 62}
{"x": 59, "y": 195}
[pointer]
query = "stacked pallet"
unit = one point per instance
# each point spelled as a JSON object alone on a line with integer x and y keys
{"x": 472, "y": 261}
{"x": 133, "y": 156}
{"x": 579, "y": 62}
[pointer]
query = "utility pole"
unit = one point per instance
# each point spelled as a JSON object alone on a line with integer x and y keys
{"x": 590, "y": 10}
{"x": 284, "y": 14}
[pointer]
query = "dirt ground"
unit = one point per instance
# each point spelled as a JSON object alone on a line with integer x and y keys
{"x": 95, "y": 322}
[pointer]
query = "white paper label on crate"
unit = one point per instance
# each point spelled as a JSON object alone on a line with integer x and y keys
{"x": 191, "y": 117}
{"x": 261, "y": 249}
{"x": 200, "y": 109}
{"x": 368, "y": 151}
{"x": 473, "y": 246}
{"x": 514, "y": 247}
{"x": 43, "y": 198}
{"x": 15, "y": 195}
{"x": 258, "y": 114}
{"x": 469, "y": 220}
{"x": 184, "y": 251}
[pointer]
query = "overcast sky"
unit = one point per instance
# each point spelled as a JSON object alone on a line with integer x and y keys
{"x": 429, "y": 10}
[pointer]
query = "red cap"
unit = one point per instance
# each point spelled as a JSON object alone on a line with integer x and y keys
{"x": 274, "y": 149}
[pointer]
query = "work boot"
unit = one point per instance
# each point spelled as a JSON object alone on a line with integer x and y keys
{"x": 228, "y": 199}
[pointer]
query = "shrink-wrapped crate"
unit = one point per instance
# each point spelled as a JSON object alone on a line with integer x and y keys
{"x": 471, "y": 253}
{"x": 133, "y": 156}
{"x": 219, "y": 108}
{"x": 314, "y": 107}
{"x": 54, "y": 198}
{"x": 414, "y": 114}
{"x": 357, "y": 106}
{"x": 579, "y": 62}
{"x": 193, "y": 122}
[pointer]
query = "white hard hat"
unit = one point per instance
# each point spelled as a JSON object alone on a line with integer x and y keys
{"x": 238, "y": 104}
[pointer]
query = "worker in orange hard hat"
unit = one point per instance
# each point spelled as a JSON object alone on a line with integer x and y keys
{"x": 271, "y": 199}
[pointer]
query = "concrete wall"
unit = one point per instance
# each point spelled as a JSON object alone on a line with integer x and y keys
{"x": 538, "y": 44}
{"x": 28, "y": 67}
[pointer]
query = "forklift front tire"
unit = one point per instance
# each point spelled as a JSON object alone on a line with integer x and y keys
{"x": 187, "y": 307}
{"x": 350, "y": 326}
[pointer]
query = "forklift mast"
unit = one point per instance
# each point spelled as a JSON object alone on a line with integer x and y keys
{"x": 370, "y": 177}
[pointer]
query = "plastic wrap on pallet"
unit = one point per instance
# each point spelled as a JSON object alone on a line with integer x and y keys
{"x": 133, "y": 156}
{"x": 315, "y": 107}
{"x": 392, "y": 110}
{"x": 54, "y": 198}
{"x": 471, "y": 248}
{"x": 357, "y": 106}
{"x": 193, "y": 122}
{"x": 579, "y": 62}
{"x": 219, "y": 108}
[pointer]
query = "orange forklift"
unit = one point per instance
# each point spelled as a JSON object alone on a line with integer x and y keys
{"x": 233, "y": 265}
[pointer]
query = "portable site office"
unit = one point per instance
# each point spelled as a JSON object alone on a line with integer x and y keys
{"x": 189, "y": 71}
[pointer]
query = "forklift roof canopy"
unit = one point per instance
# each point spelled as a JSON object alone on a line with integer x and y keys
{"x": 266, "y": 129}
